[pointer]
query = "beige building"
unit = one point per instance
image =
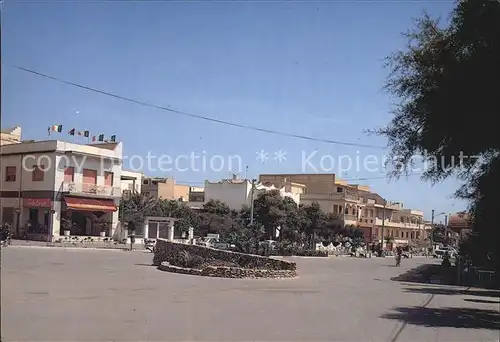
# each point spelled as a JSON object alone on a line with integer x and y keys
{"x": 10, "y": 136}
{"x": 47, "y": 183}
{"x": 165, "y": 188}
{"x": 357, "y": 205}
{"x": 313, "y": 183}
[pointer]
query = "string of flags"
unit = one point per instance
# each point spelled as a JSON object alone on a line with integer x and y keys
{"x": 86, "y": 133}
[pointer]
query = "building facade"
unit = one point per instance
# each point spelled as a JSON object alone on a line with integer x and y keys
{"x": 237, "y": 193}
{"x": 165, "y": 188}
{"x": 131, "y": 181}
{"x": 10, "y": 136}
{"x": 54, "y": 188}
{"x": 356, "y": 205}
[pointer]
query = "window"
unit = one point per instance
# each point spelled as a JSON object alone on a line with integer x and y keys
{"x": 146, "y": 193}
{"x": 407, "y": 234}
{"x": 340, "y": 189}
{"x": 37, "y": 174}
{"x": 108, "y": 178}
{"x": 145, "y": 182}
{"x": 69, "y": 174}
{"x": 89, "y": 176}
{"x": 10, "y": 174}
{"x": 402, "y": 234}
{"x": 155, "y": 182}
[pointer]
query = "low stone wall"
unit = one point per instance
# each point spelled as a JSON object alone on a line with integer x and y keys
{"x": 229, "y": 272}
{"x": 167, "y": 251}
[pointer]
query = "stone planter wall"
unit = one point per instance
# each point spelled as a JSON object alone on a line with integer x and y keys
{"x": 229, "y": 272}
{"x": 167, "y": 251}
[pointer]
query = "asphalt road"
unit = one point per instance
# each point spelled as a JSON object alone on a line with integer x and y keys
{"x": 54, "y": 294}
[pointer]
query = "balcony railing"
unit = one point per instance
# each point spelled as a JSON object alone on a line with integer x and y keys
{"x": 348, "y": 217}
{"x": 398, "y": 224}
{"x": 91, "y": 189}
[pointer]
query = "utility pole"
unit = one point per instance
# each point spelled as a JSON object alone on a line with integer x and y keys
{"x": 251, "y": 200}
{"x": 432, "y": 230}
{"x": 446, "y": 227}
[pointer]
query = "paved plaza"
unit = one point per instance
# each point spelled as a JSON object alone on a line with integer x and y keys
{"x": 55, "y": 294}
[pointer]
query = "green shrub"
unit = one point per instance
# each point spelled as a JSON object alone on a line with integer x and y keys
{"x": 185, "y": 259}
{"x": 312, "y": 253}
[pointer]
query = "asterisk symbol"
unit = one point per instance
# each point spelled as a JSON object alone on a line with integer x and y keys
{"x": 280, "y": 156}
{"x": 262, "y": 156}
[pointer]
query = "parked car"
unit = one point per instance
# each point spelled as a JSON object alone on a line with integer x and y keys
{"x": 215, "y": 242}
{"x": 441, "y": 250}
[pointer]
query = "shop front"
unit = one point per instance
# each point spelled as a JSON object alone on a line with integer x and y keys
{"x": 36, "y": 215}
{"x": 82, "y": 216}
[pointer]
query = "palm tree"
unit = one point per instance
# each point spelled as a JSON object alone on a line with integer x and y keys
{"x": 136, "y": 208}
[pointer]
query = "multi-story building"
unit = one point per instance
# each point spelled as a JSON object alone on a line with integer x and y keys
{"x": 313, "y": 183}
{"x": 238, "y": 192}
{"x": 10, "y": 136}
{"x": 46, "y": 182}
{"x": 356, "y": 205}
{"x": 165, "y": 188}
{"x": 460, "y": 223}
{"x": 131, "y": 181}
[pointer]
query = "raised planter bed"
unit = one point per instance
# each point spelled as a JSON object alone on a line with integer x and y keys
{"x": 228, "y": 272}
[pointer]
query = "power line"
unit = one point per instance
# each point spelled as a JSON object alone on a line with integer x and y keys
{"x": 179, "y": 112}
{"x": 344, "y": 179}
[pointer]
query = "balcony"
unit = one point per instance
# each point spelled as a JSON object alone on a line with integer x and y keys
{"x": 367, "y": 220}
{"x": 389, "y": 223}
{"x": 344, "y": 196}
{"x": 353, "y": 218}
{"x": 92, "y": 190}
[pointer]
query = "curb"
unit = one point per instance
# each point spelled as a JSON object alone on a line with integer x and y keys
{"x": 79, "y": 248}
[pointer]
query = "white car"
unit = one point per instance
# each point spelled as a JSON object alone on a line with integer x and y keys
{"x": 441, "y": 250}
{"x": 215, "y": 243}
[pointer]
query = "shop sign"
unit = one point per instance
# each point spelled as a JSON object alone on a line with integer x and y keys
{"x": 37, "y": 202}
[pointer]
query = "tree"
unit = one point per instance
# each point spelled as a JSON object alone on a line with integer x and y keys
{"x": 214, "y": 218}
{"x": 447, "y": 83}
{"x": 292, "y": 223}
{"x": 137, "y": 208}
{"x": 315, "y": 222}
{"x": 268, "y": 210}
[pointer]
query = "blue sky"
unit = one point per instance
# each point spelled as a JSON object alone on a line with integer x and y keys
{"x": 307, "y": 68}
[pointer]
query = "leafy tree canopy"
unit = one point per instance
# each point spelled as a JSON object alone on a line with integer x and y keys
{"x": 447, "y": 84}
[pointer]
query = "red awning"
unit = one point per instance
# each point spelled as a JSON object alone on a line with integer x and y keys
{"x": 90, "y": 204}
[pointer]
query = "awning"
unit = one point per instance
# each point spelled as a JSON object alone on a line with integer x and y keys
{"x": 90, "y": 204}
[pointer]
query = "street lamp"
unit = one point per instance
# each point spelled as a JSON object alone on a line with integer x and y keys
{"x": 18, "y": 212}
{"x": 49, "y": 228}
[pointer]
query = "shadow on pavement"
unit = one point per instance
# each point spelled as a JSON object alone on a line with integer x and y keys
{"x": 447, "y": 317}
{"x": 150, "y": 265}
{"x": 420, "y": 274}
{"x": 453, "y": 291}
{"x": 482, "y": 301}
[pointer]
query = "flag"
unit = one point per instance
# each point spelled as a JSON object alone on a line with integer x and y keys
{"x": 57, "y": 128}
{"x": 48, "y": 129}
{"x": 101, "y": 137}
{"x": 72, "y": 132}
{"x": 113, "y": 138}
{"x": 79, "y": 133}
{"x": 86, "y": 134}
{"x": 93, "y": 138}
